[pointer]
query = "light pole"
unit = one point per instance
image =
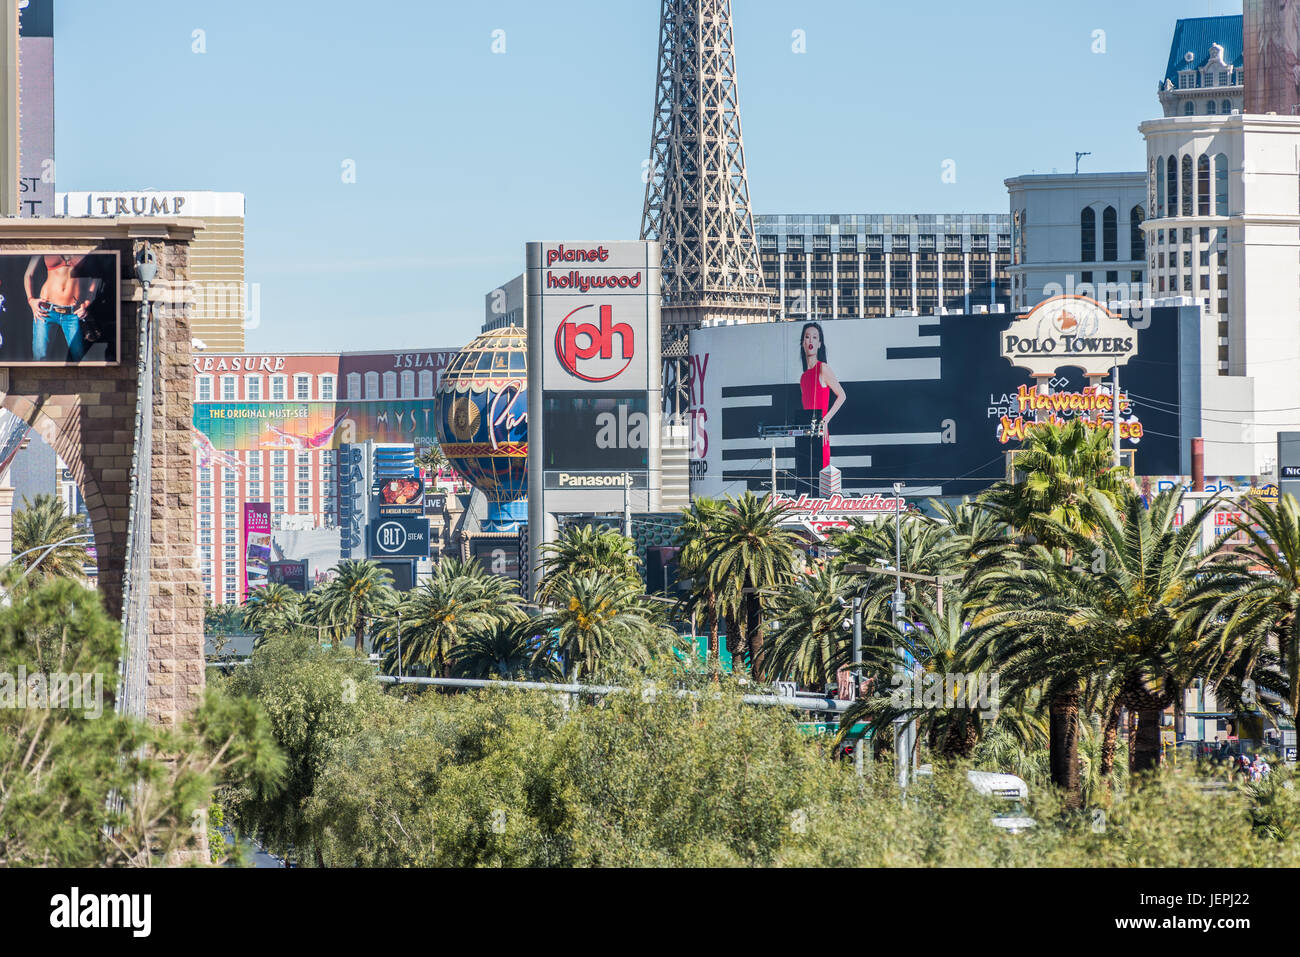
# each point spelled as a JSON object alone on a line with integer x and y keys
{"x": 857, "y": 672}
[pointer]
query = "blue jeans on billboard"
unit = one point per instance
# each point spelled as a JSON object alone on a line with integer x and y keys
{"x": 66, "y": 318}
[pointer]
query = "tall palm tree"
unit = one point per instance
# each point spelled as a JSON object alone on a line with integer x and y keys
{"x": 272, "y": 609}
{"x": 581, "y": 549}
{"x": 359, "y": 593}
{"x": 811, "y": 643}
{"x": 431, "y": 458}
{"x": 503, "y": 652}
{"x": 38, "y": 528}
{"x": 599, "y": 623}
{"x": 457, "y": 603}
{"x": 748, "y": 554}
{"x": 698, "y": 520}
{"x": 1250, "y": 601}
{"x": 1057, "y": 469}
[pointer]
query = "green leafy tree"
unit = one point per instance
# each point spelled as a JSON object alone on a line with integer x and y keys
{"x": 359, "y": 593}
{"x": 272, "y": 609}
{"x": 1057, "y": 469}
{"x": 460, "y": 601}
{"x": 505, "y": 651}
{"x": 810, "y": 642}
{"x": 38, "y": 528}
{"x": 749, "y": 555}
{"x": 599, "y": 624}
{"x": 692, "y": 536}
{"x": 584, "y": 549}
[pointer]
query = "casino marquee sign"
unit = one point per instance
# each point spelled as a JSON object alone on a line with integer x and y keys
{"x": 1069, "y": 331}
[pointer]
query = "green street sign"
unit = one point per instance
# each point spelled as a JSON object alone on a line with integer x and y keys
{"x": 859, "y": 730}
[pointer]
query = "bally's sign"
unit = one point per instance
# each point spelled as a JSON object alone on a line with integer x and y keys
{"x": 1069, "y": 331}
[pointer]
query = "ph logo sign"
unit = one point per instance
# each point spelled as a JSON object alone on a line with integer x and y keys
{"x": 594, "y": 351}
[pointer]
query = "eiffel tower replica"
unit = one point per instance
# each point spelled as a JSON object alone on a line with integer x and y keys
{"x": 697, "y": 196}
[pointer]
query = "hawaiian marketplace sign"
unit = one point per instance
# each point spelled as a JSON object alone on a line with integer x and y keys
{"x": 1069, "y": 331}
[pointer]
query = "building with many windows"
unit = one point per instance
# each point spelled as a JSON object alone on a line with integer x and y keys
{"x": 222, "y": 304}
{"x": 246, "y": 454}
{"x": 845, "y": 266}
{"x": 1077, "y": 234}
{"x": 1206, "y": 71}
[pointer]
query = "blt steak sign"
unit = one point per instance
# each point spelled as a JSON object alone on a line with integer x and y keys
{"x": 1069, "y": 331}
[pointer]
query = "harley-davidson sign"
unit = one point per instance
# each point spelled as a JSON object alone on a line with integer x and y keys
{"x": 1069, "y": 331}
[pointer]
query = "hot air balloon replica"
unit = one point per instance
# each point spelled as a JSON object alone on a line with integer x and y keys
{"x": 482, "y": 412}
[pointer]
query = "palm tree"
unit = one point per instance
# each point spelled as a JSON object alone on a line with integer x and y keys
{"x": 431, "y": 458}
{"x": 460, "y": 601}
{"x": 1057, "y": 468}
{"x": 360, "y": 592}
{"x": 581, "y": 549}
{"x": 953, "y": 711}
{"x": 748, "y": 554}
{"x": 38, "y": 528}
{"x": 698, "y": 520}
{"x": 272, "y": 609}
{"x": 811, "y": 643}
{"x": 502, "y": 652}
{"x": 1250, "y": 601}
{"x": 599, "y": 623}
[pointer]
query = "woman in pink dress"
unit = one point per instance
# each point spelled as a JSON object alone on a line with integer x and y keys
{"x": 815, "y": 386}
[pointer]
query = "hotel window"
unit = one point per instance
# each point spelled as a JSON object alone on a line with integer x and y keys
{"x": 372, "y": 385}
{"x": 1189, "y": 108}
{"x": 230, "y": 506}
{"x": 231, "y": 570}
{"x": 1227, "y": 107}
{"x": 279, "y": 506}
{"x": 254, "y": 458}
{"x": 278, "y": 489}
{"x": 205, "y": 490}
{"x": 390, "y": 385}
{"x": 230, "y": 490}
{"x": 230, "y": 537}
{"x": 205, "y": 474}
{"x": 1137, "y": 243}
{"x": 327, "y": 388}
{"x": 278, "y": 458}
{"x": 253, "y": 388}
{"x": 1171, "y": 180}
{"x": 1088, "y": 235}
{"x": 1211, "y": 108}
{"x": 408, "y": 385}
{"x": 230, "y": 475}
{"x": 205, "y": 536}
{"x": 354, "y": 385}
{"x": 1109, "y": 235}
{"x": 426, "y": 384}
{"x": 232, "y": 553}
{"x": 280, "y": 473}
{"x": 255, "y": 473}
{"x": 302, "y": 388}
{"x": 304, "y": 506}
{"x": 1187, "y": 205}
{"x": 255, "y": 493}
{"x": 1160, "y": 192}
{"x": 277, "y": 388}
{"x": 1203, "y": 186}
{"x": 1221, "y": 185}
{"x": 204, "y": 392}
{"x": 304, "y": 473}
{"x": 304, "y": 458}
{"x": 228, "y": 391}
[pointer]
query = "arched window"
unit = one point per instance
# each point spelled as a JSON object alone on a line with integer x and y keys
{"x": 1227, "y": 107}
{"x": 1203, "y": 186}
{"x": 1159, "y": 176}
{"x": 1110, "y": 235}
{"x": 1189, "y": 108}
{"x": 1186, "y": 197}
{"x": 1221, "y": 185}
{"x": 1088, "y": 235}
{"x": 1211, "y": 108}
{"x": 1137, "y": 244}
{"x": 1171, "y": 181}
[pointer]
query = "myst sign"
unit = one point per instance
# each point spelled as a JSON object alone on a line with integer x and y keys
{"x": 594, "y": 351}
{"x": 1069, "y": 331}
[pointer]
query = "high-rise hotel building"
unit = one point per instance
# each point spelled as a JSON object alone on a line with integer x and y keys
{"x": 297, "y": 475}
{"x": 223, "y": 305}
{"x": 847, "y": 266}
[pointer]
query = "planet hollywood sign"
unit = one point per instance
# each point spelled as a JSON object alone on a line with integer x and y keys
{"x": 1069, "y": 331}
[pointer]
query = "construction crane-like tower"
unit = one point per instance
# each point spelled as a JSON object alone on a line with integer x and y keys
{"x": 697, "y": 196}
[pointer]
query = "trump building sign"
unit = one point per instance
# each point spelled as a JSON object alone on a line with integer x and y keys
{"x": 1069, "y": 331}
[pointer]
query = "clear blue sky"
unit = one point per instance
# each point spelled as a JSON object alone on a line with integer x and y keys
{"x": 462, "y": 156}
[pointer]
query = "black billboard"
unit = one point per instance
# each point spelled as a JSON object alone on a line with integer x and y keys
{"x": 928, "y": 401}
{"x": 598, "y": 432}
{"x": 399, "y": 536}
{"x": 290, "y": 574}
